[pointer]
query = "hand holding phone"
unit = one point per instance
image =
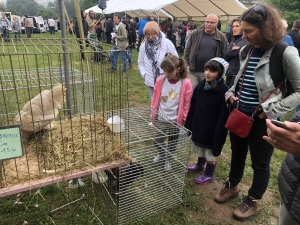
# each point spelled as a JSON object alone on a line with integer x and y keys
{"x": 278, "y": 123}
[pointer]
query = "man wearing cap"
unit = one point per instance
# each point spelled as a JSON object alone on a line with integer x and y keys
{"x": 204, "y": 44}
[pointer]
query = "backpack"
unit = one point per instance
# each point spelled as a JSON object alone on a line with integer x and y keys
{"x": 275, "y": 67}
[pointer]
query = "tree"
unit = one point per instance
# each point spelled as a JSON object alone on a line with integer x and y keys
{"x": 85, "y": 4}
{"x": 290, "y": 9}
{"x": 13, "y": 11}
{"x": 47, "y": 13}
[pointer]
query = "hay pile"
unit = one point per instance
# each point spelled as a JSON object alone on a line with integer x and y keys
{"x": 78, "y": 143}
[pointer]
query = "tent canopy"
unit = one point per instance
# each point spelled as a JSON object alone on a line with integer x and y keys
{"x": 197, "y": 9}
{"x": 135, "y": 8}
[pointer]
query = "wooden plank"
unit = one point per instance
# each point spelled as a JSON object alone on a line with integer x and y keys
{"x": 4, "y": 192}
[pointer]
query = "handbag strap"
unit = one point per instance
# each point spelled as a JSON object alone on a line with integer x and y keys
{"x": 244, "y": 73}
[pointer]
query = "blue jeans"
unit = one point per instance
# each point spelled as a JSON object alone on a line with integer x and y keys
{"x": 51, "y": 30}
{"x": 115, "y": 56}
{"x": 5, "y": 33}
{"x": 129, "y": 56}
{"x": 140, "y": 40}
{"x": 260, "y": 153}
{"x": 17, "y": 34}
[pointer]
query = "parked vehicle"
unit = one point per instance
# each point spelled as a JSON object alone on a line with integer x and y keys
{"x": 36, "y": 23}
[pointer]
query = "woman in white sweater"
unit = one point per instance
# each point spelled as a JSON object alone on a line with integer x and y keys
{"x": 152, "y": 53}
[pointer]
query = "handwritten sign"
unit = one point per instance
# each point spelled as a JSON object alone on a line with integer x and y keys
{"x": 10, "y": 142}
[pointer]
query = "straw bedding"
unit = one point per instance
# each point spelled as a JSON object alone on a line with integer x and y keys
{"x": 72, "y": 145}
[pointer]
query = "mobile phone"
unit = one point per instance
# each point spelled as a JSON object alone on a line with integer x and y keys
{"x": 278, "y": 123}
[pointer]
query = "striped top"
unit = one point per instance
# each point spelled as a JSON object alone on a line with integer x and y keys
{"x": 249, "y": 96}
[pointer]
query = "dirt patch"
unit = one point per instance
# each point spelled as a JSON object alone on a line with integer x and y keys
{"x": 222, "y": 213}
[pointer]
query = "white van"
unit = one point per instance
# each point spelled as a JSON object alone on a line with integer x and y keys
{"x": 37, "y": 24}
{"x": 40, "y": 24}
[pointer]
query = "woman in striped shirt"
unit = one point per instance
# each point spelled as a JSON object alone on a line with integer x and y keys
{"x": 263, "y": 30}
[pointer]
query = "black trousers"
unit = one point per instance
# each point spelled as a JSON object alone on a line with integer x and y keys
{"x": 260, "y": 153}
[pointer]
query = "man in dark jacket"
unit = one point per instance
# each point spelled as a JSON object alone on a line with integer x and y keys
{"x": 109, "y": 28}
{"x": 288, "y": 139}
{"x": 85, "y": 27}
{"x": 294, "y": 33}
{"x": 204, "y": 44}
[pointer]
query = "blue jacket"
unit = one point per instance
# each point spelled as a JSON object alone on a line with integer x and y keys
{"x": 287, "y": 39}
{"x": 207, "y": 117}
{"x": 141, "y": 26}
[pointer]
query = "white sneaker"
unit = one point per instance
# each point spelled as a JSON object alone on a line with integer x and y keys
{"x": 156, "y": 159}
{"x": 167, "y": 166}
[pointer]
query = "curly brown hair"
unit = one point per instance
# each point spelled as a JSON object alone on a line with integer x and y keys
{"x": 172, "y": 62}
{"x": 268, "y": 20}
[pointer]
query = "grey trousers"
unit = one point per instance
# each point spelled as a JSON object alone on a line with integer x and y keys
{"x": 195, "y": 77}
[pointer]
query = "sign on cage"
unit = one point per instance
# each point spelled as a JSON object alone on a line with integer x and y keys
{"x": 11, "y": 145}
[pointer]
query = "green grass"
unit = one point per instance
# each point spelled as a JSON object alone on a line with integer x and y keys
{"x": 192, "y": 211}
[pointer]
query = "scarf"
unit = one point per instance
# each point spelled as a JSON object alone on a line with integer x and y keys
{"x": 209, "y": 85}
{"x": 151, "y": 48}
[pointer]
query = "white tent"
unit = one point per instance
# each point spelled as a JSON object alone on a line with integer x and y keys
{"x": 197, "y": 9}
{"x": 135, "y": 8}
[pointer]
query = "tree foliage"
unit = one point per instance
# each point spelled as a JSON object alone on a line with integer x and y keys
{"x": 33, "y": 8}
{"x": 290, "y": 9}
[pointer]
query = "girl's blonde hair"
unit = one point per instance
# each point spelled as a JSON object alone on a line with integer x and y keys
{"x": 172, "y": 62}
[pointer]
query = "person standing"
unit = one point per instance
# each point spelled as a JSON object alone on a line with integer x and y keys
{"x": 175, "y": 26}
{"x": 131, "y": 43}
{"x": 51, "y": 24}
{"x": 141, "y": 24}
{"x": 171, "y": 99}
{"x": 120, "y": 44}
{"x": 109, "y": 29}
{"x": 232, "y": 53}
{"x": 16, "y": 28}
{"x": 85, "y": 27}
{"x": 287, "y": 138}
{"x": 58, "y": 25}
{"x": 255, "y": 95}
{"x": 5, "y": 25}
{"x": 27, "y": 26}
{"x": 103, "y": 21}
{"x": 91, "y": 20}
{"x": 152, "y": 53}
{"x": 207, "y": 118}
{"x": 204, "y": 44}
{"x": 294, "y": 33}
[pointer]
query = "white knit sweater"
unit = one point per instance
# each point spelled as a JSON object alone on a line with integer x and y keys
{"x": 145, "y": 64}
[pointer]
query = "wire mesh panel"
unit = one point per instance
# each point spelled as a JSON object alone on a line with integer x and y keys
{"x": 154, "y": 180}
{"x": 35, "y": 89}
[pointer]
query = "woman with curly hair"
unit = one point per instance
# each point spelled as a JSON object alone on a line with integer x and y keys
{"x": 263, "y": 30}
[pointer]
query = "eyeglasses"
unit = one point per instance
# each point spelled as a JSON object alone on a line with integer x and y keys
{"x": 153, "y": 35}
{"x": 210, "y": 22}
{"x": 259, "y": 9}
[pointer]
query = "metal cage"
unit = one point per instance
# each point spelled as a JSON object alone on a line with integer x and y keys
{"x": 138, "y": 164}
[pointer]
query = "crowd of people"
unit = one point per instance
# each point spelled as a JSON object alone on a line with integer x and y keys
{"x": 259, "y": 62}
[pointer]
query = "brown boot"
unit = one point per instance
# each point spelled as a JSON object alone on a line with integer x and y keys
{"x": 227, "y": 192}
{"x": 247, "y": 209}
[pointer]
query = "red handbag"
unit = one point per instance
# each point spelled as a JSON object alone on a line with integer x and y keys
{"x": 238, "y": 122}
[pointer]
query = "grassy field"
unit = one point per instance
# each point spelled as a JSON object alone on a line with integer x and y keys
{"x": 198, "y": 208}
